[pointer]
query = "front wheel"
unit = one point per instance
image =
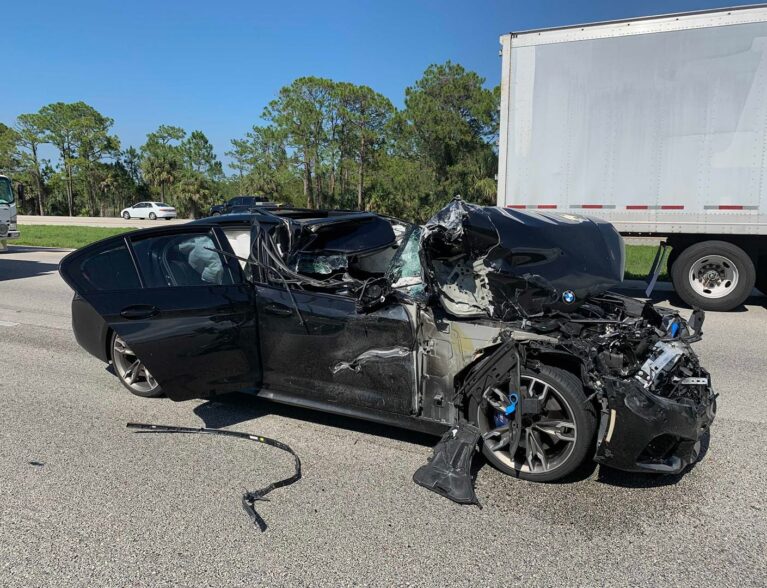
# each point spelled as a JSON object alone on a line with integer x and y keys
{"x": 131, "y": 372}
{"x": 554, "y": 442}
{"x": 152, "y": 216}
{"x": 126, "y": 215}
{"x": 713, "y": 275}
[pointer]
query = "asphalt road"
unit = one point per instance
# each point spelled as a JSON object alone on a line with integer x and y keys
{"x": 83, "y": 501}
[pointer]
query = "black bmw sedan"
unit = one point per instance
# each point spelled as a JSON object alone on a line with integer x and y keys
{"x": 498, "y": 317}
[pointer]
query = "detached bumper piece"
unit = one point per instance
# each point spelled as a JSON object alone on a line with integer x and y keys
{"x": 448, "y": 472}
{"x": 249, "y": 498}
{"x": 645, "y": 432}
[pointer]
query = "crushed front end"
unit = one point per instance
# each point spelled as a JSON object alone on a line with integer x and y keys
{"x": 544, "y": 279}
{"x": 656, "y": 401}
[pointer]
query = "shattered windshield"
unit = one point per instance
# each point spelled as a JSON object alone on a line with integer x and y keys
{"x": 6, "y": 193}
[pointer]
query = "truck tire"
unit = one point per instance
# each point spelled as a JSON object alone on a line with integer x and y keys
{"x": 713, "y": 275}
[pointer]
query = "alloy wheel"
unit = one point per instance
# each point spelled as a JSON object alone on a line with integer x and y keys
{"x": 131, "y": 370}
{"x": 547, "y": 439}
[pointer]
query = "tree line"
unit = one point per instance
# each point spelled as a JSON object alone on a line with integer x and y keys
{"x": 322, "y": 144}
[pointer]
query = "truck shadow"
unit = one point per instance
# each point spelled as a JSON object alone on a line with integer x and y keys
{"x": 232, "y": 409}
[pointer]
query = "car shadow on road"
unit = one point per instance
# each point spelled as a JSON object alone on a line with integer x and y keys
{"x": 233, "y": 409}
{"x": 16, "y": 269}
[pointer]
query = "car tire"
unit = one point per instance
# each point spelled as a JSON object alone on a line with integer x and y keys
{"x": 713, "y": 275}
{"x": 565, "y": 398}
{"x": 126, "y": 215}
{"x": 123, "y": 358}
{"x": 152, "y": 216}
{"x": 216, "y": 214}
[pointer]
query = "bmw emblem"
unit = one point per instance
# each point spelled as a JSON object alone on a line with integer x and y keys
{"x": 568, "y": 296}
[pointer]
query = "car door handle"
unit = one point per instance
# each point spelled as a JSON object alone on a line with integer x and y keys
{"x": 139, "y": 311}
{"x": 278, "y": 309}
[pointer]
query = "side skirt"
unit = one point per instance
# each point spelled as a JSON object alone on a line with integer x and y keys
{"x": 386, "y": 418}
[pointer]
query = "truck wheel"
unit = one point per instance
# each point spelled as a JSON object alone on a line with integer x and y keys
{"x": 713, "y": 275}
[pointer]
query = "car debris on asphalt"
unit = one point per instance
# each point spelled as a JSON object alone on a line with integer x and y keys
{"x": 250, "y": 498}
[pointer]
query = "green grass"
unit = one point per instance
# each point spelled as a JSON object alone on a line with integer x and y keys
{"x": 639, "y": 258}
{"x": 63, "y": 236}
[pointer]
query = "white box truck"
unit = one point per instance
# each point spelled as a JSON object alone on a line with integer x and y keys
{"x": 656, "y": 124}
{"x": 8, "y": 227}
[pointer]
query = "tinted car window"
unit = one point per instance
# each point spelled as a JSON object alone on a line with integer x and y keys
{"x": 109, "y": 269}
{"x": 180, "y": 260}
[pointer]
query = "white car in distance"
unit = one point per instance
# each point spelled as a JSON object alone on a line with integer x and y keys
{"x": 150, "y": 210}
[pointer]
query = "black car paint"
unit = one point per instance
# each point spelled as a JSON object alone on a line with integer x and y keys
{"x": 199, "y": 340}
{"x": 302, "y": 336}
{"x": 298, "y": 359}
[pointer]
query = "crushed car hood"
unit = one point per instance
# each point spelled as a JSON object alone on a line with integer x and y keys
{"x": 505, "y": 264}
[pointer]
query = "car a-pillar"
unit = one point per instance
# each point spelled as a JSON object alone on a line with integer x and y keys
{"x": 717, "y": 272}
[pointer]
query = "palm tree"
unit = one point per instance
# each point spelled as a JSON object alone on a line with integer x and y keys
{"x": 160, "y": 171}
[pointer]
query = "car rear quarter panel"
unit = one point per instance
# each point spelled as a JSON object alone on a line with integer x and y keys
{"x": 91, "y": 331}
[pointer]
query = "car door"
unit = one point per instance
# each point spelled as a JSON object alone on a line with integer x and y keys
{"x": 318, "y": 346}
{"x": 184, "y": 310}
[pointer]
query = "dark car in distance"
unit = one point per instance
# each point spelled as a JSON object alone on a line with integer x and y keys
{"x": 499, "y": 317}
{"x": 237, "y": 204}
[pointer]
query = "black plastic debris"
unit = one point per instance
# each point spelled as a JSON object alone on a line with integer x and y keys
{"x": 249, "y": 498}
{"x": 448, "y": 472}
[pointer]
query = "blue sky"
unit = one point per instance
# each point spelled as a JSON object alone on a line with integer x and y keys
{"x": 213, "y": 66}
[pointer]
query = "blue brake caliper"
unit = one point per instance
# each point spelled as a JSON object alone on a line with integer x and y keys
{"x": 503, "y": 419}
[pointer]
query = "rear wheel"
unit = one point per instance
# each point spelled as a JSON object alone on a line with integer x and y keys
{"x": 152, "y": 216}
{"x": 126, "y": 215}
{"x": 713, "y": 275}
{"x": 131, "y": 372}
{"x": 553, "y": 443}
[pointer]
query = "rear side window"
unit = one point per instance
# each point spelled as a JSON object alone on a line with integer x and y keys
{"x": 108, "y": 269}
{"x": 181, "y": 260}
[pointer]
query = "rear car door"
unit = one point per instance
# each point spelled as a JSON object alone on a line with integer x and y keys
{"x": 184, "y": 310}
